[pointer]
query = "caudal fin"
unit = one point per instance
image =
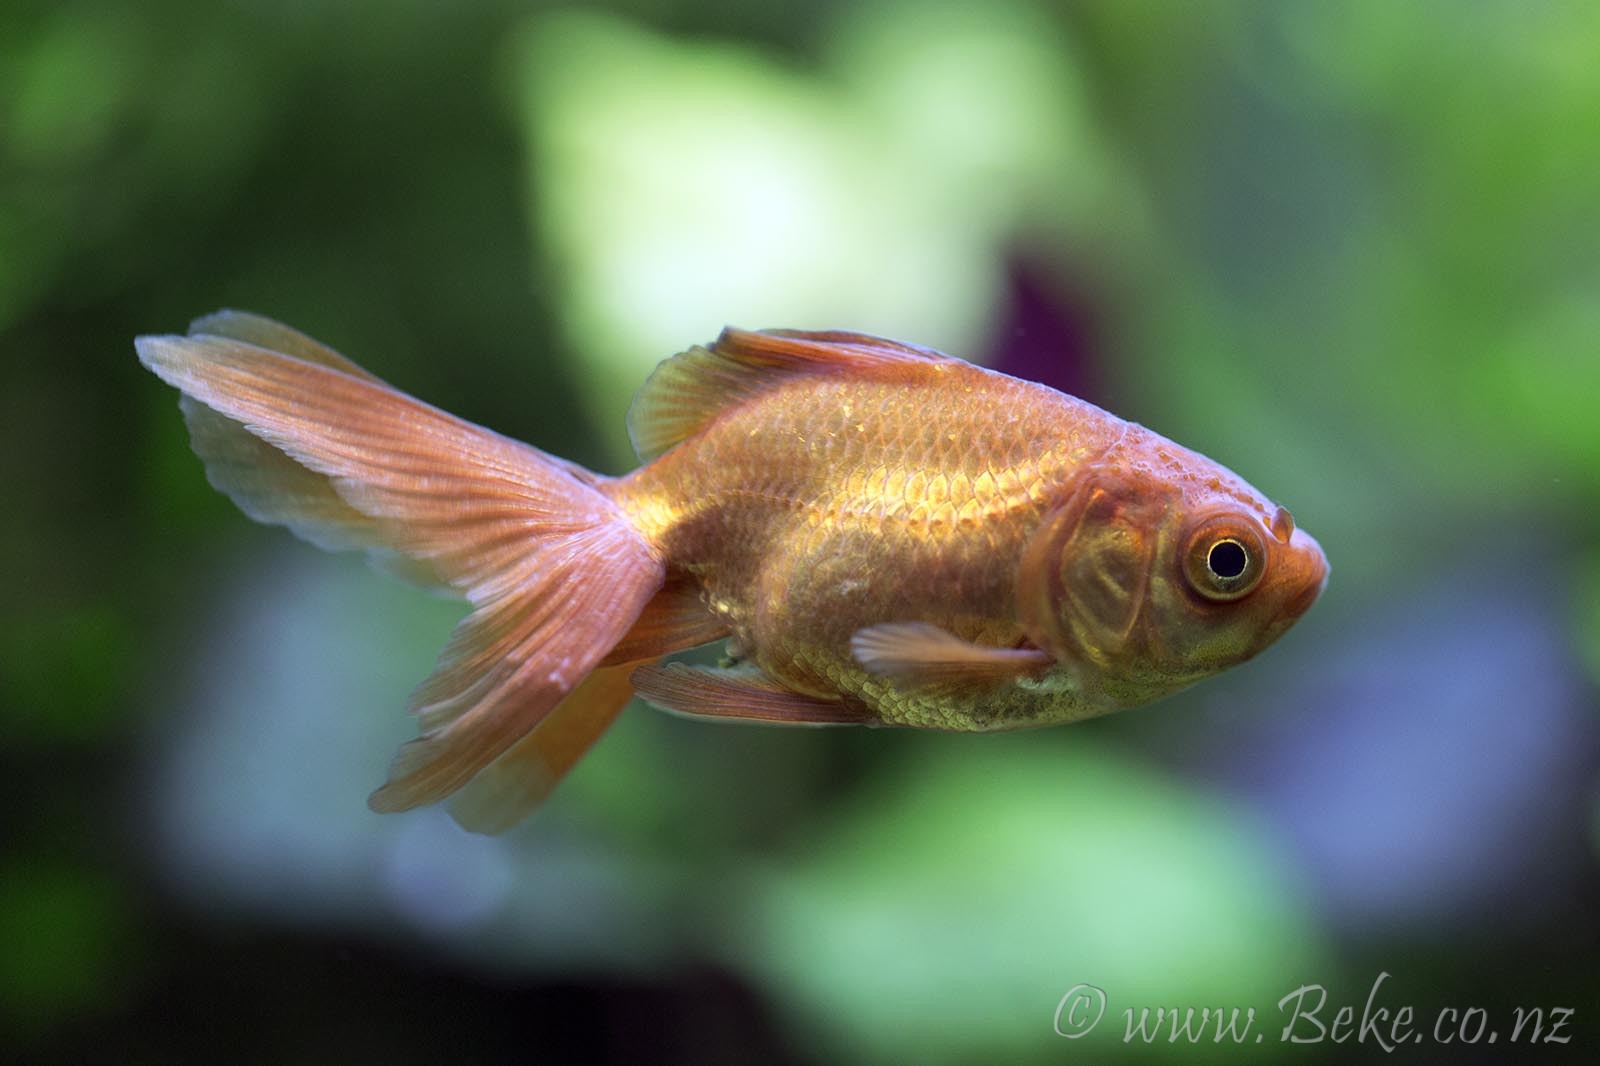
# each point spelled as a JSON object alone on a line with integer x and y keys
{"x": 516, "y": 783}
{"x": 556, "y": 574}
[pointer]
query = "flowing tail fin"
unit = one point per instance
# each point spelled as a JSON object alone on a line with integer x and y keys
{"x": 299, "y": 436}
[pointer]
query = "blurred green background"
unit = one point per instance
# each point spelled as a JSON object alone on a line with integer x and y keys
{"x": 1350, "y": 250}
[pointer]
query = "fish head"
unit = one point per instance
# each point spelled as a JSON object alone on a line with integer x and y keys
{"x": 1151, "y": 577}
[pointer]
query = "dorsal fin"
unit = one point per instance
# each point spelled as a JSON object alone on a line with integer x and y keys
{"x": 688, "y": 390}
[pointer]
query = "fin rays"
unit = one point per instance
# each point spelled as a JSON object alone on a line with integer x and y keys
{"x": 918, "y": 653}
{"x": 555, "y": 572}
{"x": 512, "y": 786}
{"x": 688, "y": 390}
{"x": 740, "y": 693}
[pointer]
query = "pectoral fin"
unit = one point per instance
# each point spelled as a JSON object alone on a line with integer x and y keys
{"x": 740, "y": 693}
{"x": 918, "y": 654}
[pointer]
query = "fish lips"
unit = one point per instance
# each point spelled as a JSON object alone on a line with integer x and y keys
{"x": 1312, "y": 579}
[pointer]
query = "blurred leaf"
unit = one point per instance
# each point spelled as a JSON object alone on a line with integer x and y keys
{"x": 289, "y": 709}
{"x": 64, "y": 676}
{"x": 62, "y": 931}
{"x": 70, "y": 84}
{"x": 945, "y": 914}
{"x": 1587, "y": 608}
{"x": 681, "y": 185}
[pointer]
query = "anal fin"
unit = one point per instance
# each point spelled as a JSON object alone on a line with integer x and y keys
{"x": 673, "y": 620}
{"x": 740, "y": 693}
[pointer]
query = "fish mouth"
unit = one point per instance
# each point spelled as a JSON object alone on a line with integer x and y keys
{"x": 1302, "y": 601}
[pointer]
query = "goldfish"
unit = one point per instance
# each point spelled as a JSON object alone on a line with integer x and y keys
{"x": 882, "y": 533}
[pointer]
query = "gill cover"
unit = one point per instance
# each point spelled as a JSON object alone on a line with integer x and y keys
{"x": 1085, "y": 574}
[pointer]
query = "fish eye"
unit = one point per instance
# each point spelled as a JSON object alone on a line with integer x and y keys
{"x": 1225, "y": 559}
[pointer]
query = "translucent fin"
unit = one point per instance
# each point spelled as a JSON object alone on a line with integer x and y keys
{"x": 688, "y": 390}
{"x": 917, "y": 653}
{"x": 673, "y": 620}
{"x": 269, "y": 486}
{"x": 514, "y": 785}
{"x": 553, "y": 569}
{"x": 740, "y": 693}
{"x": 273, "y": 489}
{"x": 819, "y": 347}
{"x": 274, "y": 336}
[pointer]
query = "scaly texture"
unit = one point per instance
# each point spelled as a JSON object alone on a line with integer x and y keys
{"x": 825, "y": 506}
{"x": 886, "y": 534}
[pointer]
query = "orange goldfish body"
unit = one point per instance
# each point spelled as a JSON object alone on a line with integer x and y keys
{"x": 886, "y": 535}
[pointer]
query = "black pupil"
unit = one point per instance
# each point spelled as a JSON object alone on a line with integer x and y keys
{"x": 1227, "y": 559}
